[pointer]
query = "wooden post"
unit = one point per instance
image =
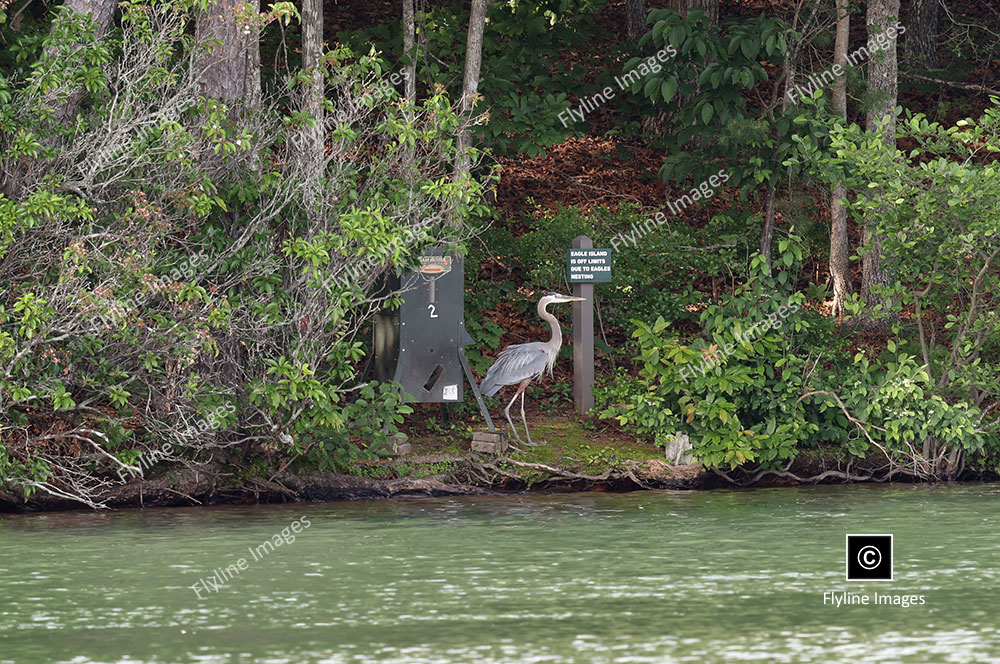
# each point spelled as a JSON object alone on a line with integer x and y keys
{"x": 583, "y": 339}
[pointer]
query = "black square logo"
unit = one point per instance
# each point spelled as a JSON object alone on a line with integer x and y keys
{"x": 869, "y": 557}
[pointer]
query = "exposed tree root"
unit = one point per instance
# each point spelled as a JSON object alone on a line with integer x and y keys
{"x": 211, "y": 484}
{"x": 215, "y": 483}
{"x": 814, "y": 479}
{"x": 502, "y": 472}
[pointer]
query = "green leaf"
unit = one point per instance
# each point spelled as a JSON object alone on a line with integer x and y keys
{"x": 706, "y": 112}
{"x": 677, "y": 35}
{"x": 668, "y": 89}
{"x": 650, "y": 88}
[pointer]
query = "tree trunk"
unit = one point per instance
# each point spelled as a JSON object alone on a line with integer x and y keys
{"x": 635, "y": 18}
{"x": 767, "y": 236}
{"x": 790, "y": 62}
{"x": 840, "y": 268}
{"x": 882, "y": 87}
{"x": 409, "y": 50}
{"x": 312, "y": 147}
{"x": 230, "y": 70}
{"x": 922, "y": 33}
{"x": 711, "y": 8}
{"x": 470, "y": 87}
{"x": 770, "y": 213}
{"x": 410, "y": 86}
{"x": 101, "y": 12}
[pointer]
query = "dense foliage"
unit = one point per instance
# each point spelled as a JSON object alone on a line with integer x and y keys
{"x": 187, "y": 277}
{"x": 770, "y": 378}
{"x": 176, "y": 277}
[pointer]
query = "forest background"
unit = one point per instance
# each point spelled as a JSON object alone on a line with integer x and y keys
{"x": 198, "y": 199}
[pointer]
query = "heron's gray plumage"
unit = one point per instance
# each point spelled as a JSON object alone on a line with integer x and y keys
{"x": 516, "y": 363}
{"x": 521, "y": 363}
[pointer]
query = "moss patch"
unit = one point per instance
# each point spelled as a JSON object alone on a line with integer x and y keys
{"x": 573, "y": 444}
{"x": 575, "y": 448}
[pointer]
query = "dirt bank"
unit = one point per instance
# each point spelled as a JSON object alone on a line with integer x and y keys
{"x": 211, "y": 484}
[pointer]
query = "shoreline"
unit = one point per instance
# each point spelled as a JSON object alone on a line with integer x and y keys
{"x": 470, "y": 475}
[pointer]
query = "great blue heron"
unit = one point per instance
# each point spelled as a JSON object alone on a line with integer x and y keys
{"x": 521, "y": 363}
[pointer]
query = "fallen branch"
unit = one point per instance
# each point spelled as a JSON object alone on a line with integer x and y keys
{"x": 182, "y": 495}
{"x": 853, "y": 420}
{"x": 559, "y": 472}
{"x": 55, "y": 492}
{"x": 963, "y": 86}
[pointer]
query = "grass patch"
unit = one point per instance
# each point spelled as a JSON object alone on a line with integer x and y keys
{"x": 573, "y": 447}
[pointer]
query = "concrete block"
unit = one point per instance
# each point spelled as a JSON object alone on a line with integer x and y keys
{"x": 678, "y": 450}
{"x": 489, "y": 442}
{"x": 399, "y": 445}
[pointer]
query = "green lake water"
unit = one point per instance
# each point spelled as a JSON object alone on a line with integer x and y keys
{"x": 728, "y": 576}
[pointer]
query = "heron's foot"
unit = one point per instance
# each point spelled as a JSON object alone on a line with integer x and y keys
{"x": 517, "y": 437}
{"x": 534, "y": 443}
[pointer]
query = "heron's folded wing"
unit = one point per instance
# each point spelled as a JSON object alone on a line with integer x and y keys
{"x": 517, "y": 363}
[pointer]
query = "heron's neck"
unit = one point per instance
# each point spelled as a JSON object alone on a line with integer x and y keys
{"x": 556, "y": 339}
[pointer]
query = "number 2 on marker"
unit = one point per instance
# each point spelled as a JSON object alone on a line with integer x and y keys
{"x": 432, "y": 308}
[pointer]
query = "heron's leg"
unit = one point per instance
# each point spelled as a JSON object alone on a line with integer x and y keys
{"x": 524, "y": 418}
{"x": 506, "y": 412}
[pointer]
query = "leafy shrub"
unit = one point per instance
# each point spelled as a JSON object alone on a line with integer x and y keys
{"x": 369, "y": 422}
{"x": 735, "y": 389}
{"x": 899, "y": 414}
{"x": 935, "y": 212}
{"x": 154, "y": 272}
{"x": 769, "y": 377}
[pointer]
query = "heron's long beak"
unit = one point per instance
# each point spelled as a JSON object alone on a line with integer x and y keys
{"x": 575, "y": 299}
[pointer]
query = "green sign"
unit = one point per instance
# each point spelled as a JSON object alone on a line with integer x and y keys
{"x": 588, "y": 266}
